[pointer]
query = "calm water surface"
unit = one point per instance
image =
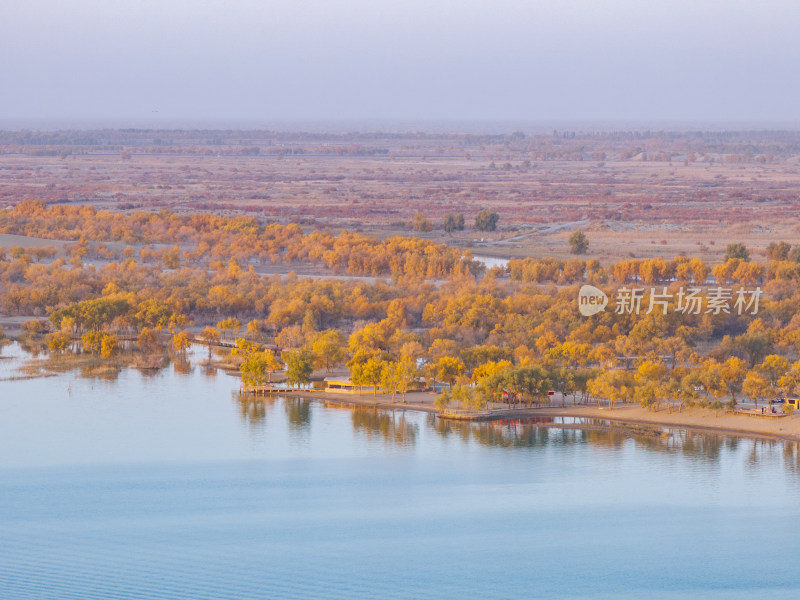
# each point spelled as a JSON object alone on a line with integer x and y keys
{"x": 170, "y": 486}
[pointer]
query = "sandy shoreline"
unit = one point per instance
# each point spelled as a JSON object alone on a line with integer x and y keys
{"x": 784, "y": 428}
{"x": 751, "y": 425}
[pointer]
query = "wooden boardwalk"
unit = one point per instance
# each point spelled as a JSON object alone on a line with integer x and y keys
{"x": 274, "y": 389}
{"x": 757, "y": 413}
{"x": 194, "y": 339}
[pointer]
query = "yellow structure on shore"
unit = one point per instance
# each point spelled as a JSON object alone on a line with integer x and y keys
{"x": 345, "y": 386}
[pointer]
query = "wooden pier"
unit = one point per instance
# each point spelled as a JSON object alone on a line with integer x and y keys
{"x": 750, "y": 412}
{"x": 270, "y": 389}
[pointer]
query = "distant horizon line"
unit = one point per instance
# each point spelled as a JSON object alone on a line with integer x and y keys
{"x": 396, "y": 125}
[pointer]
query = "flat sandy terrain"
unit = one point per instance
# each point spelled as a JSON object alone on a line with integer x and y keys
{"x": 636, "y": 195}
{"x": 9, "y": 240}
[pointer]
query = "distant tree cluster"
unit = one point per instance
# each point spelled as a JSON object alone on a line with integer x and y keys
{"x": 783, "y": 251}
{"x": 421, "y": 223}
{"x": 213, "y": 238}
{"x": 737, "y": 251}
{"x": 578, "y": 242}
{"x": 454, "y": 223}
{"x": 486, "y": 220}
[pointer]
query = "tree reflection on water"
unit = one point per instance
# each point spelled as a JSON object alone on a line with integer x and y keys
{"x": 791, "y": 458}
{"x": 182, "y": 365}
{"x": 391, "y": 426}
{"x": 708, "y": 447}
{"x": 298, "y": 411}
{"x": 402, "y": 428}
{"x": 253, "y": 410}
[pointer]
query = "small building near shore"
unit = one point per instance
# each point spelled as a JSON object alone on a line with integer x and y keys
{"x": 345, "y": 386}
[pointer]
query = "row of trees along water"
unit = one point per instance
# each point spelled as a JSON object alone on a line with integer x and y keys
{"x": 501, "y": 335}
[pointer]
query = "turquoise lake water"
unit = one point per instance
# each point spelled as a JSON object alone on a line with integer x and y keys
{"x": 170, "y": 486}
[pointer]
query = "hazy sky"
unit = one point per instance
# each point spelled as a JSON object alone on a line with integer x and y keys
{"x": 533, "y": 60}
